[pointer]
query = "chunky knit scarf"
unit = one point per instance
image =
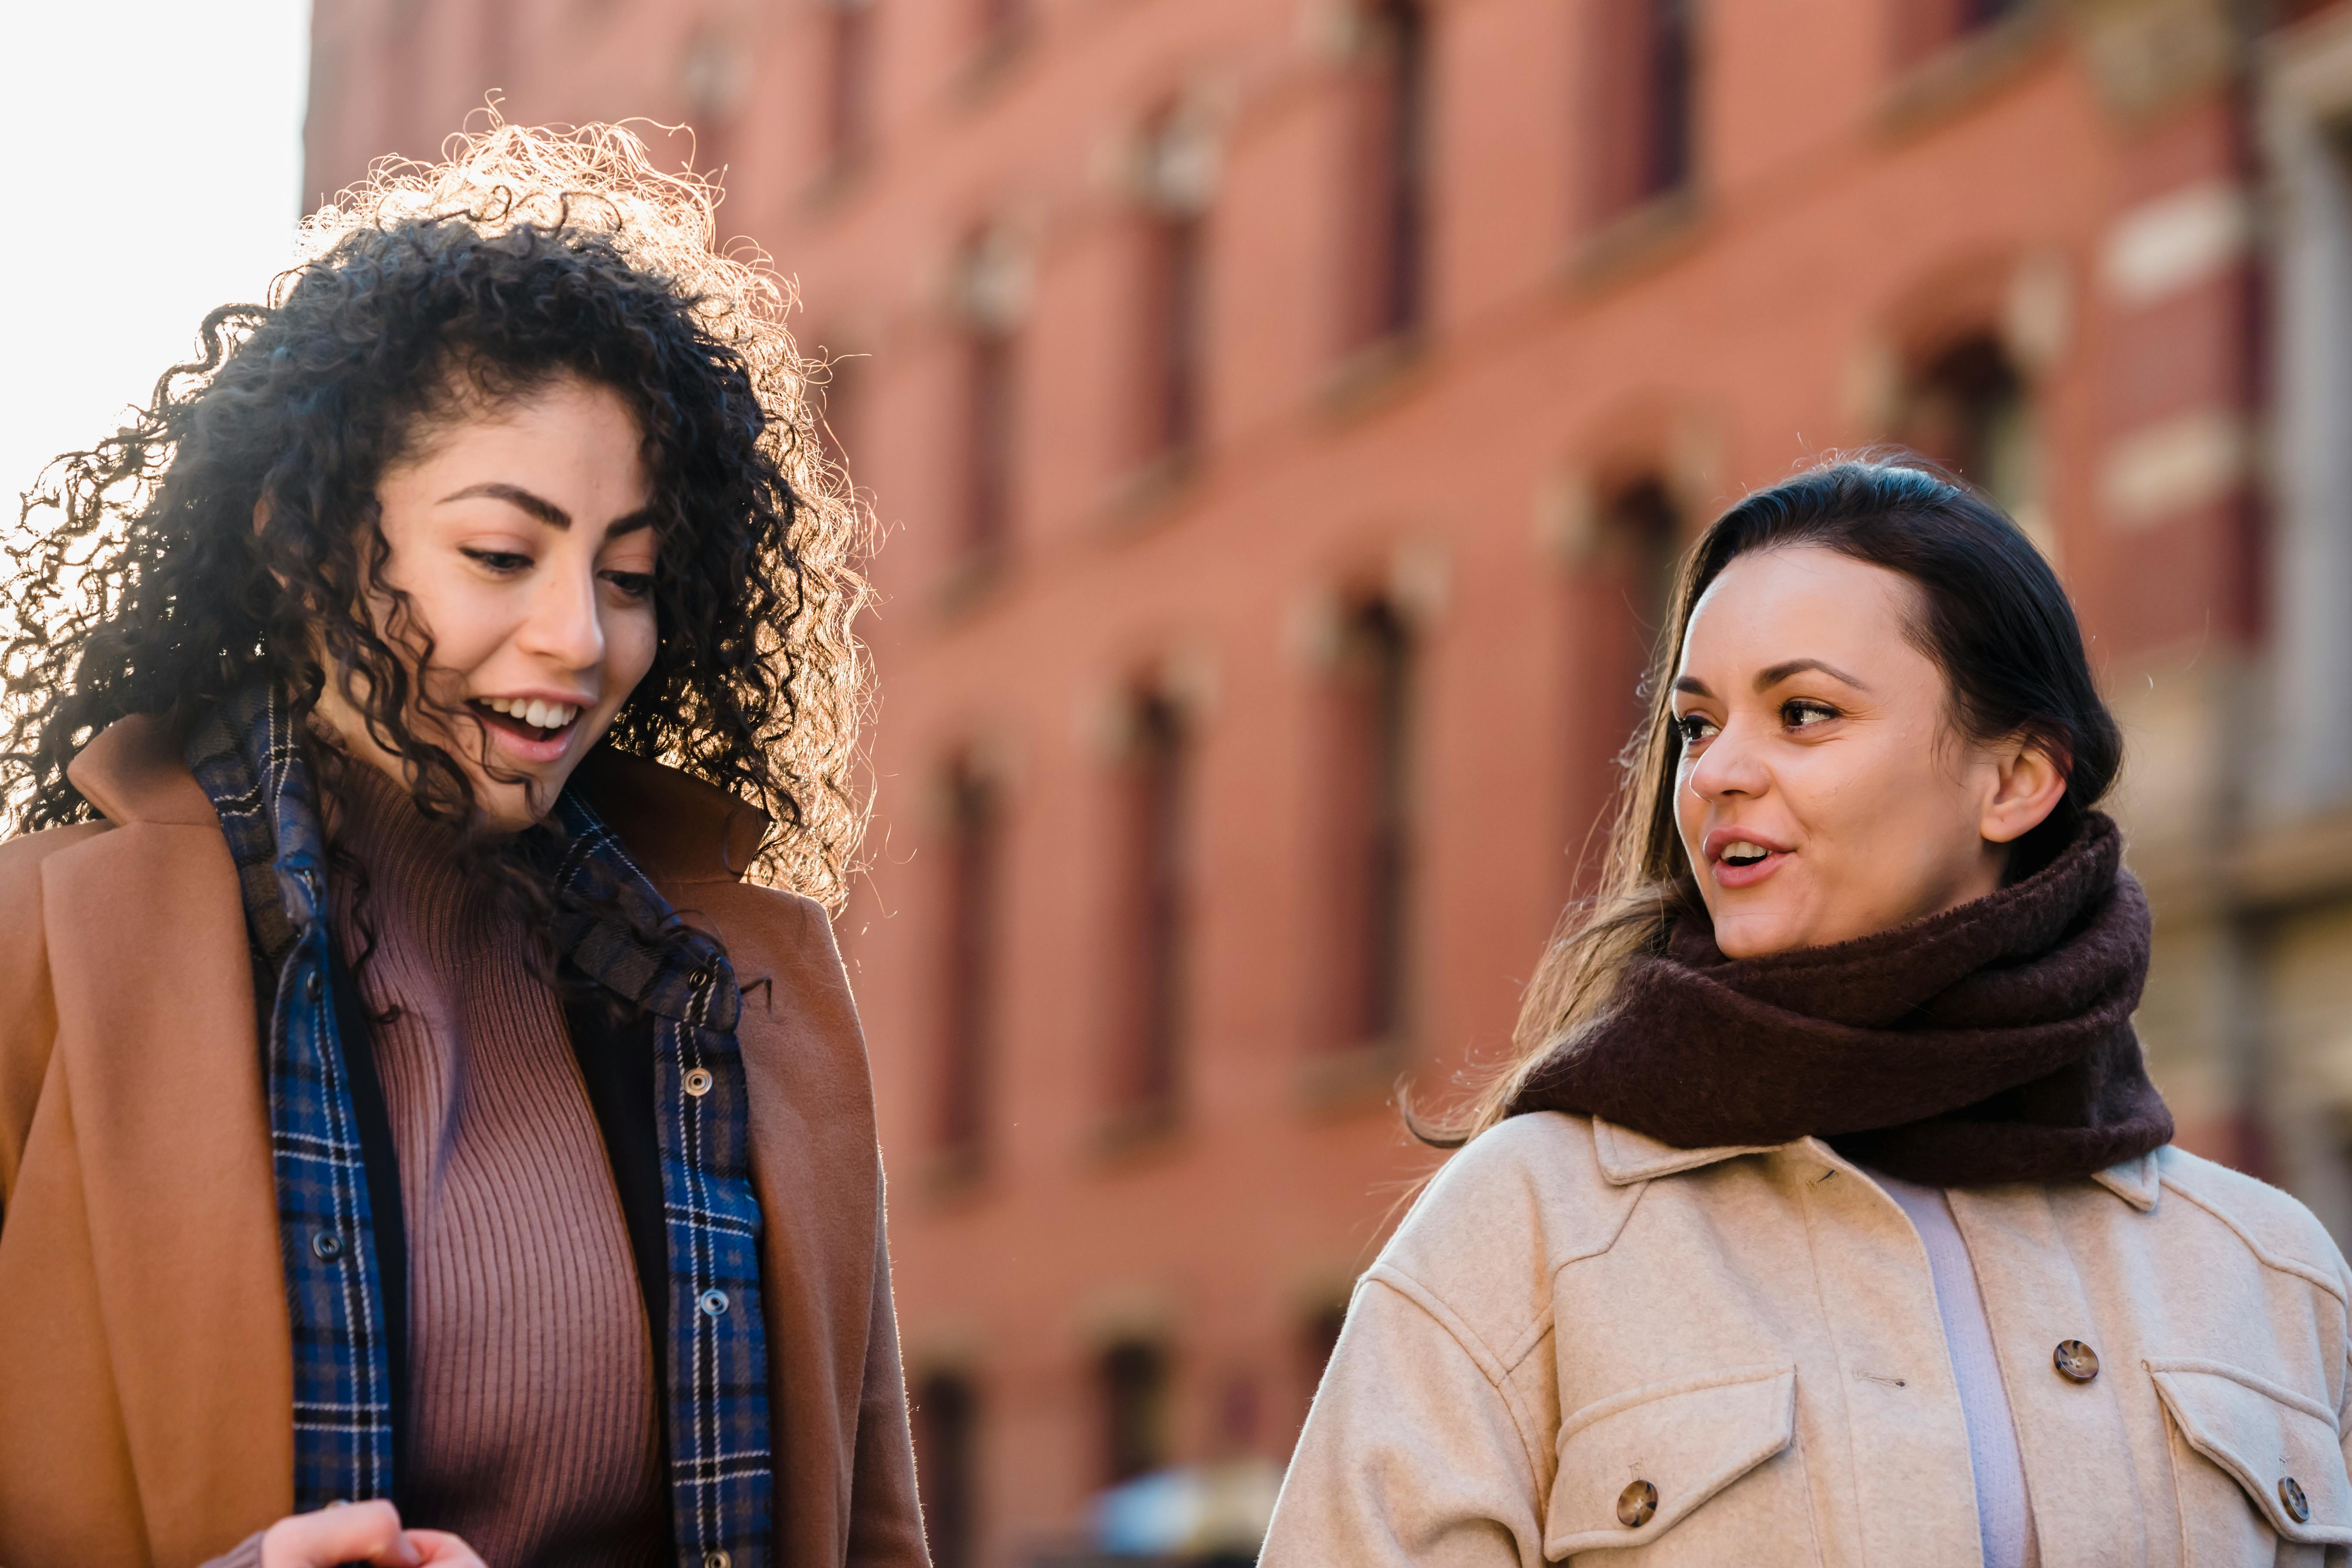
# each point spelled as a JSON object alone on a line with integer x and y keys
{"x": 1990, "y": 1043}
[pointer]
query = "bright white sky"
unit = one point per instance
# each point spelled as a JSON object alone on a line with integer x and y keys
{"x": 153, "y": 171}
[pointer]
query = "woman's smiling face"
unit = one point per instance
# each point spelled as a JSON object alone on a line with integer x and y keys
{"x": 1823, "y": 792}
{"x": 522, "y": 537}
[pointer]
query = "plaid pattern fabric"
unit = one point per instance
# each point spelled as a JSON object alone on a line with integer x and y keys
{"x": 722, "y": 1468}
{"x": 245, "y": 755}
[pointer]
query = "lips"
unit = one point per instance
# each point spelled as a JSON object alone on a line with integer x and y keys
{"x": 532, "y": 729}
{"x": 1742, "y": 857}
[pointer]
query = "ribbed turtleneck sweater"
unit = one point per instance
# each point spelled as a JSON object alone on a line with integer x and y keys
{"x": 531, "y": 1430}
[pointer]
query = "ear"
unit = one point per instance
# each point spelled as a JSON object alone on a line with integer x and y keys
{"x": 2028, "y": 787}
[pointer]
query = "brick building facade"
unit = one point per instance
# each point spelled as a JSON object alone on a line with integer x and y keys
{"x": 1283, "y": 415}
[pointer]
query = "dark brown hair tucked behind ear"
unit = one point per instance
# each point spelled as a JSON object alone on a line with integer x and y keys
{"x": 1993, "y": 617}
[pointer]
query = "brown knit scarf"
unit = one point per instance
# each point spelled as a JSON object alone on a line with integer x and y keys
{"x": 1990, "y": 1043}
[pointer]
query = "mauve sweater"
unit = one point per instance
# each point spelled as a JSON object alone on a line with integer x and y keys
{"x": 531, "y": 1429}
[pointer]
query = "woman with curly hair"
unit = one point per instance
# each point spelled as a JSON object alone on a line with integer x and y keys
{"x": 427, "y": 1081}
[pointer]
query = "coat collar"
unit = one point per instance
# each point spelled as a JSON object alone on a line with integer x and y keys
{"x": 1627, "y": 1156}
{"x": 680, "y": 829}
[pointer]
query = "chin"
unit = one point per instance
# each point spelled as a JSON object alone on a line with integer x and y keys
{"x": 1753, "y": 937}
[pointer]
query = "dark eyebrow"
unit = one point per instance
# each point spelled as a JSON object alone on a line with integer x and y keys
{"x": 515, "y": 495}
{"x": 1772, "y": 676}
{"x": 641, "y": 518}
{"x": 1692, "y": 685}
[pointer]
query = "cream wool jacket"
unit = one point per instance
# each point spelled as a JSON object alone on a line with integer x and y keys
{"x": 1584, "y": 1345}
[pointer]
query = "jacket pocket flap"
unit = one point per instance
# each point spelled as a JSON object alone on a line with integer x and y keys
{"x": 1652, "y": 1453}
{"x": 2281, "y": 1446}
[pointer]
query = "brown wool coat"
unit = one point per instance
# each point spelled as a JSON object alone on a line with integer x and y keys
{"x": 145, "y": 1353}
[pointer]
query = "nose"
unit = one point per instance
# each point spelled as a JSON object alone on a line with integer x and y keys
{"x": 1732, "y": 765}
{"x": 563, "y": 625}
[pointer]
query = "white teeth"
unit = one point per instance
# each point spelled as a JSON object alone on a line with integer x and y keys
{"x": 1743, "y": 850}
{"x": 536, "y": 711}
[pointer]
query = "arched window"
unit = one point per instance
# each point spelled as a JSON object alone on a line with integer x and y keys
{"x": 1640, "y": 89}
{"x": 993, "y": 285}
{"x": 1177, "y": 177}
{"x": 973, "y": 871}
{"x": 1922, "y": 27}
{"x": 1134, "y": 1377}
{"x": 1370, "y": 822}
{"x": 1154, "y": 783}
{"x": 849, "y": 80}
{"x": 1970, "y": 408}
{"x": 1388, "y": 251}
{"x": 947, "y": 1466}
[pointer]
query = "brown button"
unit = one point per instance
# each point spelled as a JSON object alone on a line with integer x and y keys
{"x": 2075, "y": 1360}
{"x": 1635, "y": 1504}
{"x": 2298, "y": 1507}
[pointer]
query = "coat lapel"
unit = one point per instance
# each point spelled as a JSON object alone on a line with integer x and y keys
{"x": 157, "y": 1038}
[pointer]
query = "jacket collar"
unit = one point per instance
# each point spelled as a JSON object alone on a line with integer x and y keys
{"x": 1627, "y": 1156}
{"x": 680, "y": 829}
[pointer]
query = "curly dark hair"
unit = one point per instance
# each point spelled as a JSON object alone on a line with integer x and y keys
{"x": 144, "y": 583}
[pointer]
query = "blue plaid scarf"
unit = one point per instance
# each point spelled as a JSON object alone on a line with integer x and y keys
{"x": 247, "y": 757}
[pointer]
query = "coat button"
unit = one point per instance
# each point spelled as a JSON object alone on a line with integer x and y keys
{"x": 327, "y": 1244}
{"x": 2075, "y": 1360}
{"x": 312, "y": 986}
{"x": 697, "y": 1082}
{"x": 2298, "y": 1507}
{"x": 713, "y": 1303}
{"x": 714, "y": 1558}
{"x": 1635, "y": 1504}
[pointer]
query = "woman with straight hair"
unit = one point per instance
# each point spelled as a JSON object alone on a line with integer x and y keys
{"x": 434, "y": 1124}
{"x": 1827, "y": 1214}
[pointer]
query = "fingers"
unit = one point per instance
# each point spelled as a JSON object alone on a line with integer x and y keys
{"x": 440, "y": 1549}
{"x": 359, "y": 1533}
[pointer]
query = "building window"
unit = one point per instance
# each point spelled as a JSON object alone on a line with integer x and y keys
{"x": 974, "y": 870}
{"x": 1134, "y": 1374}
{"x": 1922, "y": 27}
{"x": 1177, "y": 180}
{"x": 1000, "y": 23}
{"x": 1155, "y": 786}
{"x": 849, "y": 80}
{"x": 1969, "y": 409}
{"x": 1370, "y": 813}
{"x": 1640, "y": 545}
{"x": 994, "y": 285}
{"x": 1318, "y": 1339}
{"x": 947, "y": 1466}
{"x": 1388, "y": 253}
{"x": 1642, "y": 100}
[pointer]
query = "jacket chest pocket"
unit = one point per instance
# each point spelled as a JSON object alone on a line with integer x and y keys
{"x": 2259, "y": 1468}
{"x": 1702, "y": 1469}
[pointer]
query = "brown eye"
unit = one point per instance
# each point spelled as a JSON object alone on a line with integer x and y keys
{"x": 635, "y": 585}
{"x": 1800, "y": 712}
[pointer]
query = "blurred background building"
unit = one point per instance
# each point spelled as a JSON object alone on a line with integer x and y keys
{"x": 1285, "y": 414}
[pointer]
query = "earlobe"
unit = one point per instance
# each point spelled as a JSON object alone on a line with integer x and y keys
{"x": 2030, "y": 786}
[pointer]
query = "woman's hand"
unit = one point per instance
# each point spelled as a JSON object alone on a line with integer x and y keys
{"x": 359, "y": 1533}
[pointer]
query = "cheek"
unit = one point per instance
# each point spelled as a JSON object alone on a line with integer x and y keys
{"x": 467, "y": 623}
{"x": 632, "y": 637}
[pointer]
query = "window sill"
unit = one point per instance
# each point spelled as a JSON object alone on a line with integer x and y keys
{"x": 970, "y": 584}
{"x": 1137, "y": 1134}
{"x": 1148, "y": 494}
{"x": 952, "y": 1178}
{"x": 1351, "y": 1080}
{"x": 1375, "y": 376}
{"x": 1963, "y": 73}
{"x": 1639, "y": 241}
